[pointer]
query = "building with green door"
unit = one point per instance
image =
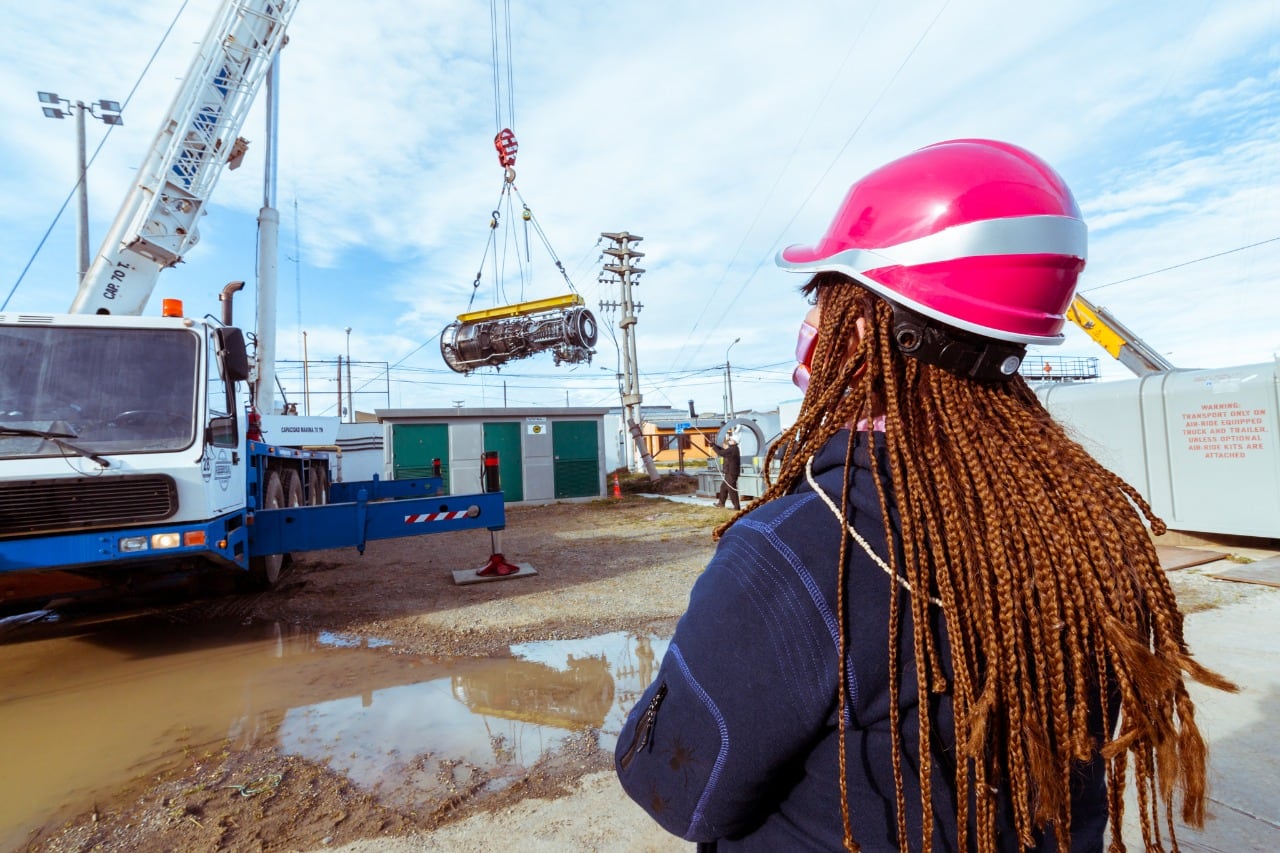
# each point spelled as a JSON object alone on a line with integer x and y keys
{"x": 544, "y": 454}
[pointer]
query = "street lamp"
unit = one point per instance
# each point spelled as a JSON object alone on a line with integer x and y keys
{"x": 351, "y": 410}
{"x": 54, "y": 108}
{"x": 728, "y": 378}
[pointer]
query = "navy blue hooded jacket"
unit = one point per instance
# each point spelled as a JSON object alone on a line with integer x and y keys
{"x": 736, "y": 740}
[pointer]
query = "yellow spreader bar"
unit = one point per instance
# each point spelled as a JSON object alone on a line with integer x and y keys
{"x": 569, "y": 300}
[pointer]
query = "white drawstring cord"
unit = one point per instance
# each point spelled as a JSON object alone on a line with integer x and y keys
{"x": 826, "y": 499}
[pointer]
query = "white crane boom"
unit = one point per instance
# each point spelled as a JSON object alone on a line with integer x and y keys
{"x": 157, "y": 224}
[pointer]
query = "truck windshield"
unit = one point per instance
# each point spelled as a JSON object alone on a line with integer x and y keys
{"x": 104, "y": 390}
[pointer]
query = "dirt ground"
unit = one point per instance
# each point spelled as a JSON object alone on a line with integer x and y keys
{"x": 604, "y": 566}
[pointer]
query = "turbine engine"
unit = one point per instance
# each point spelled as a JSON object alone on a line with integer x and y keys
{"x": 492, "y": 338}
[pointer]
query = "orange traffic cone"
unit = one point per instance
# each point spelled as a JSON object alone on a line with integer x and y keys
{"x": 617, "y": 487}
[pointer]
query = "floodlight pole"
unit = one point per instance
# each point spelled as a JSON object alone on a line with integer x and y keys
{"x": 82, "y": 192}
{"x": 110, "y": 116}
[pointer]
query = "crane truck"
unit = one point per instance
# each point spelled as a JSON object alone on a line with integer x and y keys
{"x": 132, "y": 447}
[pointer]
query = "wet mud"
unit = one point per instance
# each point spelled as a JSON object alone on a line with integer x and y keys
{"x": 366, "y": 697}
{"x": 243, "y": 734}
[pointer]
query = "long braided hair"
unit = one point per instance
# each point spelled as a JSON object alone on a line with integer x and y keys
{"x": 1050, "y": 589}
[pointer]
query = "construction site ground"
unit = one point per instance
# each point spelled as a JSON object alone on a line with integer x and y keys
{"x": 370, "y": 703}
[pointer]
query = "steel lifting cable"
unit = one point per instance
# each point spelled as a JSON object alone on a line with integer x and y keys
{"x": 497, "y": 66}
{"x": 490, "y": 242}
{"x": 505, "y": 144}
{"x": 509, "y": 238}
{"x": 504, "y": 140}
{"x": 511, "y": 88}
{"x": 493, "y": 61}
{"x": 527, "y": 215}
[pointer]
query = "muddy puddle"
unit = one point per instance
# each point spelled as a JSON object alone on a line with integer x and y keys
{"x": 83, "y": 714}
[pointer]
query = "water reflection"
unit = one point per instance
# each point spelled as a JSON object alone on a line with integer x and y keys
{"x": 80, "y": 716}
{"x": 578, "y": 697}
{"x": 498, "y": 714}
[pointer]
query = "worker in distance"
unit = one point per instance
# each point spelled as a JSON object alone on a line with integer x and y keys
{"x": 730, "y": 469}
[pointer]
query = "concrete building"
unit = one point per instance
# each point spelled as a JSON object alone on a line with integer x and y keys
{"x": 544, "y": 454}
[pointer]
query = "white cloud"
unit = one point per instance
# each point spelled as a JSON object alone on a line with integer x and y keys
{"x": 717, "y": 131}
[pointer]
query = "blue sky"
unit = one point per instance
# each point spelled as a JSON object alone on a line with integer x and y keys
{"x": 718, "y": 131}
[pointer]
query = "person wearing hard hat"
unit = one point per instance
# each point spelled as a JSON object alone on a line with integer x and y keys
{"x": 730, "y": 469}
{"x": 943, "y": 626}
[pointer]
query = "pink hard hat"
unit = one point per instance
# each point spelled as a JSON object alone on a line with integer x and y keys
{"x": 980, "y": 235}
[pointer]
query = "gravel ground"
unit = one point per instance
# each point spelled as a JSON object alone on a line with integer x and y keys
{"x": 603, "y": 566}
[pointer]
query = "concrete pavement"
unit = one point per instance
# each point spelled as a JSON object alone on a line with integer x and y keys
{"x": 1242, "y": 641}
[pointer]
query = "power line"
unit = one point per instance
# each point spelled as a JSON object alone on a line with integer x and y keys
{"x": 1183, "y": 264}
{"x": 848, "y": 141}
{"x": 40, "y": 245}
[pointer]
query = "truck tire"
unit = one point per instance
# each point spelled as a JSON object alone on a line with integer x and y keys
{"x": 264, "y": 572}
{"x": 292, "y": 483}
{"x": 318, "y": 486}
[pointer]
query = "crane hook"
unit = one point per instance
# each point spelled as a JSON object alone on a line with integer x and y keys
{"x": 505, "y": 143}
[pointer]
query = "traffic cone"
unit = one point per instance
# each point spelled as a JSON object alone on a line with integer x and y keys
{"x": 617, "y": 487}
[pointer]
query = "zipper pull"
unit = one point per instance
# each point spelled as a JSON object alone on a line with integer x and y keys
{"x": 644, "y": 728}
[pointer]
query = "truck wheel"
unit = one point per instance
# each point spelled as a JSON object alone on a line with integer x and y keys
{"x": 292, "y": 484}
{"x": 264, "y": 572}
{"x": 318, "y": 486}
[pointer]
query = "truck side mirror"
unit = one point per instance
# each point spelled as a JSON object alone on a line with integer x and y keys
{"x": 234, "y": 356}
{"x": 222, "y": 432}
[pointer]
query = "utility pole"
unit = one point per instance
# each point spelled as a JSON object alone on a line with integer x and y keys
{"x": 623, "y": 252}
{"x": 341, "y": 419}
{"x": 728, "y": 381}
{"x": 351, "y": 406}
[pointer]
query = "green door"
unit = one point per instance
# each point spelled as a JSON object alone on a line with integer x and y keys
{"x": 577, "y": 459}
{"x": 505, "y": 438}
{"x": 414, "y": 447}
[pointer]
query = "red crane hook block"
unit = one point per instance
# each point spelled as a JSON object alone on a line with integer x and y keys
{"x": 507, "y": 147}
